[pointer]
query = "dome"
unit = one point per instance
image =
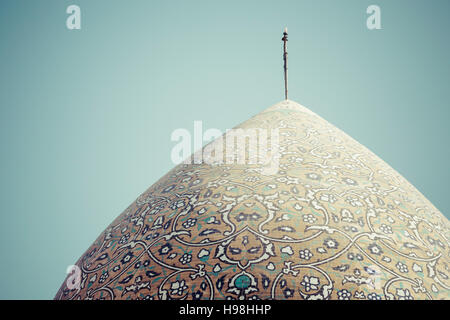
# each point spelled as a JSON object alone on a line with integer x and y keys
{"x": 330, "y": 220}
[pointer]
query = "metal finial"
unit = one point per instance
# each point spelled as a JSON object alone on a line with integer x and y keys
{"x": 285, "y": 58}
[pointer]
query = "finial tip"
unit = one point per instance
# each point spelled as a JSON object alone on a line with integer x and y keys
{"x": 285, "y": 30}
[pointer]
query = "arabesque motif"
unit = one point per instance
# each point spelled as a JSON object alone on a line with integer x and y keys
{"x": 335, "y": 222}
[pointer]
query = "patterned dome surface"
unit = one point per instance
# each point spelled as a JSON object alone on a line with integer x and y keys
{"x": 335, "y": 222}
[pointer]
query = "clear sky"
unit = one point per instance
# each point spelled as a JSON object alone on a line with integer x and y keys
{"x": 86, "y": 115}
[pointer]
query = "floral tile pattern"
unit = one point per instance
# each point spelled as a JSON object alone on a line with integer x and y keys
{"x": 335, "y": 222}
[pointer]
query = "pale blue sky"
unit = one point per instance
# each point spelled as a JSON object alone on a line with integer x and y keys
{"x": 86, "y": 115}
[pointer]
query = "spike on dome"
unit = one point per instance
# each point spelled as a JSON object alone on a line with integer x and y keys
{"x": 334, "y": 222}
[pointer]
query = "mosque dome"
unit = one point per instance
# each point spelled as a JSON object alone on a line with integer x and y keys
{"x": 331, "y": 221}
